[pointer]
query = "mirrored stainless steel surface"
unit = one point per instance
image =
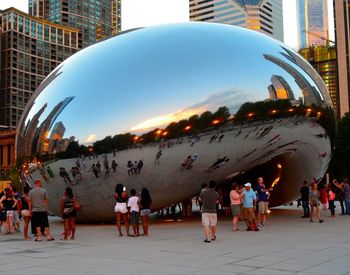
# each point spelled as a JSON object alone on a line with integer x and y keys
{"x": 170, "y": 107}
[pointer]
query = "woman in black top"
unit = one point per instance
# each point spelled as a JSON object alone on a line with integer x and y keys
{"x": 120, "y": 209}
{"x": 25, "y": 212}
{"x": 68, "y": 212}
{"x": 9, "y": 203}
{"x": 145, "y": 207}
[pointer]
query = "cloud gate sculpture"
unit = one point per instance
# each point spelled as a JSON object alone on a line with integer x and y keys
{"x": 170, "y": 107}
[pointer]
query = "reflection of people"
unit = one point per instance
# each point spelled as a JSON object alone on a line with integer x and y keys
{"x": 64, "y": 175}
{"x": 210, "y": 199}
{"x": 50, "y": 172}
{"x": 139, "y": 166}
{"x": 158, "y": 155}
{"x": 218, "y": 163}
{"x": 114, "y": 166}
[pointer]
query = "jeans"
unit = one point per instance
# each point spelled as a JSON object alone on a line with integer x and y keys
{"x": 331, "y": 207}
{"x": 347, "y": 206}
{"x": 342, "y": 206}
{"x": 306, "y": 208}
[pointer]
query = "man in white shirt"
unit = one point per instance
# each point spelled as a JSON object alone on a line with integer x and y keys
{"x": 134, "y": 210}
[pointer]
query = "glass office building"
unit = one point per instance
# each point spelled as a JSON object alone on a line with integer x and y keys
{"x": 95, "y": 19}
{"x": 324, "y": 60}
{"x": 312, "y": 16}
{"x": 30, "y": 49}
{"x": 265, "y": 16}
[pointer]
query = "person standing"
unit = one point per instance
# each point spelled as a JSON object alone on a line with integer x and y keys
{"x": 235, "y": 199}
{"x": 263, "y": 204}
{"x": 145, "y": 206}
{"x": 341, "y": 194}
{"x": 134, "y": 210}
{"x": 210, "y": 198}
{"x": 314, "y": 201}
{"x": 8, "y": 202}
{"x": 120, "y": 209}
{"x": 331, "y": 198}
{"x": 248, "y": 198}
{"x": 38, "y": 201}
{"x": 68, "y": 213}
{"x": 25, "y": 212}
{"x": 304, "y": 191}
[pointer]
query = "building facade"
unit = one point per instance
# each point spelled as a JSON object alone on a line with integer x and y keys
{"x": 7, "y": 150}
{"x": 95, "y": 19}
{"x": 265, "y": 16}
{"x": 324, "y": 60}
{"x": 30, "y": 49}
{"x": 342, "y": 27}
{"x": 312, "y": 16}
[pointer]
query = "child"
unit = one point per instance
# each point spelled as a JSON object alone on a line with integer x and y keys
{"x": 331, "y": 197}
{"x": 134, "y": 210}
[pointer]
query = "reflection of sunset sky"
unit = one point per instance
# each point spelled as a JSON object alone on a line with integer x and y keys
{"x": 150, "y": 77}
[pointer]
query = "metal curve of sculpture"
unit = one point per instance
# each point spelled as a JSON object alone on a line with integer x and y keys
{"x": 170, "y": 107}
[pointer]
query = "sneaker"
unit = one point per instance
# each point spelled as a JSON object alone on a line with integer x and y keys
{"x": 249, "y": 229}
{"x": 256, "y": 229}
{"x": 321, "y": 221}
{"x": 206, "y": 241}
{"x": 261, "y": 224}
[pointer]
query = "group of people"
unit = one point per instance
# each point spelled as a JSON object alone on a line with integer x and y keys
{"x": 130, "y": 208}
{"x": 244, "y": 202}
{"x": 316, "y": 195}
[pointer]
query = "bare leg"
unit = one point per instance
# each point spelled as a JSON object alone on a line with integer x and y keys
{"x": 235, "y": 222}
{"x": 66, "y": 228}
{"x": 126, "y": 222}
{"x": 25, "y": 228}
{"x": 311, "y": 213}
{"x": 213, "y": 233}
{"x": 48, "y": 234}
{"x": 118, "y": 217}
{"x": 145, "y": 225}
{"x": 318, "y": 214}
{"x": 207, "y": 232}
{"x": 38, "y": 232}
{"x": 73, "y": 227}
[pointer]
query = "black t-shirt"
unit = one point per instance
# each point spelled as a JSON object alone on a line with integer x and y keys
{"x": 304, "y": 191}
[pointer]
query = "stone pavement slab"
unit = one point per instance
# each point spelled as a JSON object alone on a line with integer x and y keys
{"x": 286, "y": 245}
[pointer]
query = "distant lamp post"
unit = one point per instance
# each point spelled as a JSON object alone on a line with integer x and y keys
{"x": 159, "y": 132}
{"x": 188, "y": 127}
{"x": 216, "y": 121}
{"x": 250, "y": 115}
{"x": 165, "y": 133}
{"x": 319, "y": 114}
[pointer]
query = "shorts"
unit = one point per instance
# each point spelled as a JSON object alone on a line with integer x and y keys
{"x": 235, "y": 209}
{"x": 145, "y": 212}
{"x": 72, "y": 214}
{"x": 263, "y": 207}
{"x": 134, "y": 217}
{"x": 15, "y": 216}
{"x": 25, "y": 213}
{"x": 248, "y": 213}
{"x": 9, "y": 213}
{"x": 39, "y": 219}
{"x": 120, "y": 207}
{"x": 209, "y": 219}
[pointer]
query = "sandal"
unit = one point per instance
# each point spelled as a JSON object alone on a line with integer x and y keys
{"x": 49, "y": 240}
{"x": 213, "y": 238}
{"x": 37, "y": 240}
{"x": 206, "y": 241}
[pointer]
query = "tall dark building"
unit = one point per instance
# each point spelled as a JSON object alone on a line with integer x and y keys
{"x": 95, "y": 19}
{"x": 30, "y": 49}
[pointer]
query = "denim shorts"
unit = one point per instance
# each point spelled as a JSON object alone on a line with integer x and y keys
{"x": 145, "y": 212}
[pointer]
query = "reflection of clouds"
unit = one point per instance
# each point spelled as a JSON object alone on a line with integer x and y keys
{"x": 91, "y": 138}
{"x": 232, "y": 98}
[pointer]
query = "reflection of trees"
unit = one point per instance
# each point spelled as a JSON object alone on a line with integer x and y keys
{"x": 196, "y": 124}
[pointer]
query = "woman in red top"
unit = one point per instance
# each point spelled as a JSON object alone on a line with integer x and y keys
{"x": 324, "y": 197}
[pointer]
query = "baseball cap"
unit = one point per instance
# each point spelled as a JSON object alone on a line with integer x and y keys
{"x": 248, "y": 184}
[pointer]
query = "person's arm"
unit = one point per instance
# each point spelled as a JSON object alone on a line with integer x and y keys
{"x": 30, "y": 205}
{"x": 254, "y": 199}
{"x": 14, "y": 203}
{"x": 46, "y": 199}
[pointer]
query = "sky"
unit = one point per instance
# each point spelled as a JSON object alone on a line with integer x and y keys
{"x": 140, "y": 13}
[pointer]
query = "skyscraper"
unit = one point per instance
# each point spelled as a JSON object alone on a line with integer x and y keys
{"x": 265, "y": 16}
{"x": 30, "y": 49}
{"x": 96, "y": 19}
{"x": 342, "y": 26}
{"x": 312, "y": 22}
{"x": 324, "y": 60}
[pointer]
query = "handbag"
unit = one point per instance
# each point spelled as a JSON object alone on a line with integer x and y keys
{"x": 76, "y": 205}
{"x": 3, "y": 215}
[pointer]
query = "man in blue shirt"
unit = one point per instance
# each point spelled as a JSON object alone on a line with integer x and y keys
{"x": 263, "y": 196}
{"x": 249, "y": 203}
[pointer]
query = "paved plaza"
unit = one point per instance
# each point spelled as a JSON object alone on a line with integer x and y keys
{"x": 287, "y": 245}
